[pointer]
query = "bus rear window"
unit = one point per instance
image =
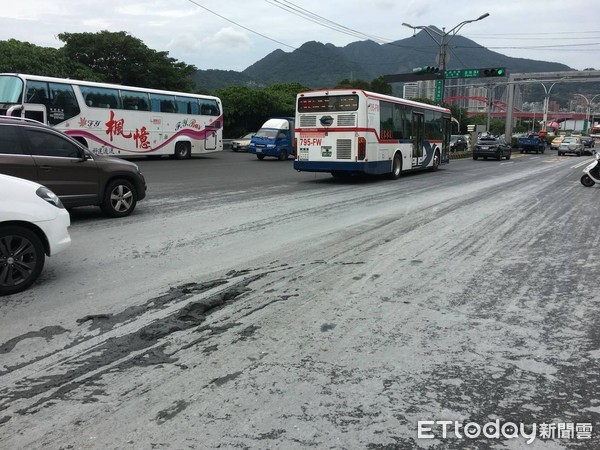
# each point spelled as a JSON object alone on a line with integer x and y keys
{"x": 328, "y": 103}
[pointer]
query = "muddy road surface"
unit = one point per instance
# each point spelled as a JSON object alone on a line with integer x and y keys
{"x": 318, "y": 313}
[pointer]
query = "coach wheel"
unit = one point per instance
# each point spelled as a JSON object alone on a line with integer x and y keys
{"x": 182, "y": 150}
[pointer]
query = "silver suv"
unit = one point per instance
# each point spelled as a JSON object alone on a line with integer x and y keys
{"x": 37, "y": 152}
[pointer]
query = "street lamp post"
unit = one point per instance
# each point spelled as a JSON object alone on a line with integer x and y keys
{"x": 588, "y": 110}
{"x": 443, "y": 41}
{"x": 546, "y": 104}
{"x": 490, "y": 99}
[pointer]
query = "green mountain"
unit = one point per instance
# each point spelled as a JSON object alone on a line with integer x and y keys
{"x": 318, "y": 65}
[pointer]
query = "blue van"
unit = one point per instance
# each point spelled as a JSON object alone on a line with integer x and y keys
{"x": 275, "y": 138}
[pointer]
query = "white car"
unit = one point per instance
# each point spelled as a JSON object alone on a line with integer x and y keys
{"x": 571, "y": 144}
{"x": 33, "y": 224}
{"x": 242, "y": 143}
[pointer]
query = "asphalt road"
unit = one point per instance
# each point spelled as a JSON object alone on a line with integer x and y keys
{"x": 244, "y": 305}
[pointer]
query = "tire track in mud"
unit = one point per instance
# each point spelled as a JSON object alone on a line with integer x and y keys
{"x": 135, "y": 336}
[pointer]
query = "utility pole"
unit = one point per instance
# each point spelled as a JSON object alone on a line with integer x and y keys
{"x": 443, "y": 40}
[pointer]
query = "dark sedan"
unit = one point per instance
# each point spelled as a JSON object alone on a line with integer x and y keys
{"x": 458, "y": 143}
{"x": 588, "y": 142}
{"x": 492, "y": 147}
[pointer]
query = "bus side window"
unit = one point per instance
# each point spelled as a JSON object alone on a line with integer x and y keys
{"x": 209, "y": 108}
{"x": 37, "y": 92}
{"x": 135, "y": 100}
{"x": 64, "y": 104}
{"x": 100, "y": 97}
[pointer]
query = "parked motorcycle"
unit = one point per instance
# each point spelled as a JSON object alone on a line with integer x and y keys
{"x": 591, "y": 174}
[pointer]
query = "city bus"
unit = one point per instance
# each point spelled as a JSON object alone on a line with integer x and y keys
{"x": 352, "y": 131}
{"x": 117, "y": 120}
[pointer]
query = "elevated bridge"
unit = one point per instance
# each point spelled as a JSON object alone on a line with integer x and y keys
{"x": 572, "y": 76}
{"x": 499, "y": 109}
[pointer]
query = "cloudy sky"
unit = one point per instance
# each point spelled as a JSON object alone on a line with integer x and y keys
{"x": 233, "y": 34}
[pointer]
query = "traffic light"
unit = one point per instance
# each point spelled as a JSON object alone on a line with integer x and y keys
{"x": 426, "y": 69}
{"x": 493, "y": 72}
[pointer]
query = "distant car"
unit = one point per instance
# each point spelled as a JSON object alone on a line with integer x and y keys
{"x": 492, "y": 147}
{"x": 588, "y": 141}
{"x": 556, "y": 142}
{"x": 39, "y": 153}
{"x": 241, "y": 144}
{"x": 458, "y": 143}
{"x": 33, "y": 224}
{"x": 571, "y": 144}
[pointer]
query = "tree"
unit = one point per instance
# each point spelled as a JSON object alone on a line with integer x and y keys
{"x": 460, "y": 114}
{"x": 124, "y": 59}
{"x": 380, "y": 86}
{"x": 353, "y": 84}
{"x": 246, "y": 109}
{"x": 23, "y": 57}
{"x": 496, "y": 125}
{"x": 284, "y": 96}
{"x": 376, "y": 85}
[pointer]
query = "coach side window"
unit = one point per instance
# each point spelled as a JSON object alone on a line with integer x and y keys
{"x": 64, "y": 104}
{"x": 187, "y": 105}
{"x": 37, "y": 92}
{"x": 162, "y": 103}
{"x": 209, "y": 107}
{"x": 97, "y": 97}
{"x": 138, "y": 101}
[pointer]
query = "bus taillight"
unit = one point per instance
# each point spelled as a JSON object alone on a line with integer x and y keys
{"x": 362, "y": 148}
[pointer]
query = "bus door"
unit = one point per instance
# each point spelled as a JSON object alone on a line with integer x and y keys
{"x": 210, "y": 138}
{"x": 418, "y": 132}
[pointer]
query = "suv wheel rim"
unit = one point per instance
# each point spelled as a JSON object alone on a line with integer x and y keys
{"x": 121, "y": 198}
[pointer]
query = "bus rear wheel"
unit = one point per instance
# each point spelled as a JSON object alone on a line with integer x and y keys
{"x": 396, "y": 167}
{"x": 436, "y": 162}
{"x": 182, "y": 150}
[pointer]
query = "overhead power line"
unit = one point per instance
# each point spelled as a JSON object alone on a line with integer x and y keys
{"x": 242, "y": 26}
{"x": 320, "y": 20}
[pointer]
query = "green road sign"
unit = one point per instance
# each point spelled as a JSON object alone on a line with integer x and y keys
{"x": 475, "y": 73}
{"x": 439, "y": 90}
